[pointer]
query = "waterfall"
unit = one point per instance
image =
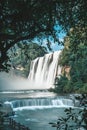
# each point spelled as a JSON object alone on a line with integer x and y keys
{"x": 43, "y": 70}
{"x": 41, "y": 103}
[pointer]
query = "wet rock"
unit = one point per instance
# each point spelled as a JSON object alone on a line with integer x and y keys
{"x": 6, "y": 109}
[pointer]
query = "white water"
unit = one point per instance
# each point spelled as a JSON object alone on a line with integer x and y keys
{"x": 43, "y": 70}
{"x": 41, "y": 103}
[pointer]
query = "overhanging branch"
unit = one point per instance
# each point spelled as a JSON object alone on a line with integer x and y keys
{"x": 21, "y": 38}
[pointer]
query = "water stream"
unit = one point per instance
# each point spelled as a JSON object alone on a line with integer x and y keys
{"x": 36, "y": 108}
{"x": 43, "y": 70}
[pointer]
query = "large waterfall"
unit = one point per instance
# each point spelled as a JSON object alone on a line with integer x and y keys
{"x": 43, "y": 70}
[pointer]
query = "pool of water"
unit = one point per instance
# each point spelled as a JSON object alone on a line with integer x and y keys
{"x": 38, "y": 119}
{"x": 37, "y": 115}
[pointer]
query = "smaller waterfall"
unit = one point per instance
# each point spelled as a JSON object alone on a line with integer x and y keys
{"x": 43, "y": 70}
{"x": 41, "y": 103}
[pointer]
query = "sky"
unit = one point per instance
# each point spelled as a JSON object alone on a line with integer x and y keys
{"x": 61, "y": 34}
{"x": 54, "y": 46}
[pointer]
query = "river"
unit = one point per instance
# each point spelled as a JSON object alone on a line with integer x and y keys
{"x": 36, "y": 108}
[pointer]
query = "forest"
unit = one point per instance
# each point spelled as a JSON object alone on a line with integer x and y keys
{"x": 23, "y": 21}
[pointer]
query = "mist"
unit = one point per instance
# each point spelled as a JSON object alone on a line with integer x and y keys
{"x": 10, "y": 82}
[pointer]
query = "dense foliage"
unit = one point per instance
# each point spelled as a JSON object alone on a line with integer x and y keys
{"x": 26, "y": 19}
{"x": 74, "y": 119}
{"x": 21, "y": 56}
{"x": 74, "y": 55}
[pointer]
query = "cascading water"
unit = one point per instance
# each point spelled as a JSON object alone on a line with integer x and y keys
{"x": 42, "y": 75}
{"x": 43, "y": 70}
{"x": 41, "y": 103}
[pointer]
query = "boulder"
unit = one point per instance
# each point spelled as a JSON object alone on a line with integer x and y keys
{"x": 6, "y": 109}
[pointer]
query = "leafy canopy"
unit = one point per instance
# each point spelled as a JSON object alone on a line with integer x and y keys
{"x": 21, "y": 56}
{"x": 26, "y": 19}
{"x": 74, "y": 55}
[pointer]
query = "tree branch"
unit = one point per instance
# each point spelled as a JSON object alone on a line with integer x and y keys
{"x": 21, "y": 38}
{"x": 4, "y": 36}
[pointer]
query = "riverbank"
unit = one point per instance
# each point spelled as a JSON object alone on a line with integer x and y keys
{"x": 11, "y": 124}
{"x": 6, "y": 127}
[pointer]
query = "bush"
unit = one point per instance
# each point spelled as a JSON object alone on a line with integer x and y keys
{"x": 74, "y": 120}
